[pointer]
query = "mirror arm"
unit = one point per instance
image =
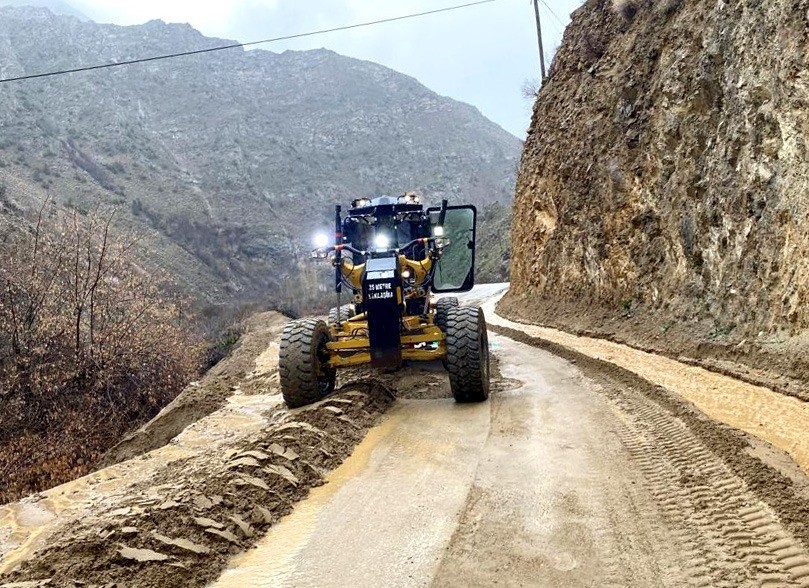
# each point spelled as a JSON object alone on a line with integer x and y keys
{"x": 443, "y": 214}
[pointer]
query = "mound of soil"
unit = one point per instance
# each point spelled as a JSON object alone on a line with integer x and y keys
{"x": 180, "y": 528}
{"x": 779, "y": 364}
{"x": 208, "y": 395}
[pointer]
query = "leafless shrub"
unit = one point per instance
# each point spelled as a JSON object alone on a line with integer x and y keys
{"x": 89, "y": 348}
{"x": 530, "y": 90}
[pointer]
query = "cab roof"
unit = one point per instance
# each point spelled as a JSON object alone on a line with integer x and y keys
{"x": 385, "y": 205}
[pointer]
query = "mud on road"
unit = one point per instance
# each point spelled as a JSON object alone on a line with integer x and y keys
{"x": 177, "y": 519}
{"x": 735, "y": 511}
{"x": 181, "y": 527}
{"x": 578, "y": 472}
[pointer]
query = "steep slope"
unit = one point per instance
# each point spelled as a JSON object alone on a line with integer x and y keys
{"x": 662, "y": 193}
{"x": 228, "y": 160}
{"x": 55, "y": 6}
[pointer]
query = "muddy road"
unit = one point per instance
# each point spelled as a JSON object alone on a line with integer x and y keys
{"x": 592, "y": 465}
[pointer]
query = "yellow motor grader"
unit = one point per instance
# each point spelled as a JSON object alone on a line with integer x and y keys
{"x": 391, "y": 255}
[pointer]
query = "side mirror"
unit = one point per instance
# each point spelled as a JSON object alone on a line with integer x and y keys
{"x": 455, "y": 271}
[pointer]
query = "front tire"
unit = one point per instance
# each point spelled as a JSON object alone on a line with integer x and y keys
{"x": 468, "y": 354}
{"x": 303, "y": 363}
{"x": 346, "y": 312}
{"x": 442, "y": 306}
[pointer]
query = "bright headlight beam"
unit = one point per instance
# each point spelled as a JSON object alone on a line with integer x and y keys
{"x": 321, "y": 240}
{"x": 382, "y": 241}
{"x": 438, "y": 231}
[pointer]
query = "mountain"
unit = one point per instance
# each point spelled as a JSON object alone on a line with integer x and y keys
{"x": 662, "y": 194}
{"x": 229, "y": 161}
{"x": 55, "y": 6}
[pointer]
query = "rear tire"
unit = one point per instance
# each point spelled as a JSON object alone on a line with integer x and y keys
{"x": 468, "y": 354}
{"x": 346, "y": 312}
{"x": 441, "y": 308}
{"x": 303, "y": 363}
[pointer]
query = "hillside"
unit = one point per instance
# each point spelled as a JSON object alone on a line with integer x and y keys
{"x": 229, "y": 161}
{"x": 662, "y": 193}
{"x": 55, "y": 6}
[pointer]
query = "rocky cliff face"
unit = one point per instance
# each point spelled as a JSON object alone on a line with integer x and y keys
{"x": 227, "y": 161}
{"x": 662, "y": 196}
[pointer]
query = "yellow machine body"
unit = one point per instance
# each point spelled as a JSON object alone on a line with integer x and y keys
{"x": 350, "y": 346}
{"x": 419, "y": 271}
{"x": 421, "y": 339}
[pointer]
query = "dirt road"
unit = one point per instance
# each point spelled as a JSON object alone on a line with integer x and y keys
{"x": 522, "y": 490}
{"x": 590, "y": 466}
{"x": 561, "y": 480}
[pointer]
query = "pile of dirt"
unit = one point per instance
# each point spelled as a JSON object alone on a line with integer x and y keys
{"x": 181, "y": 528}
{"x": 417, "y": 381}
{"x": 780, "y": 365}
{"x": 211, "y": 393}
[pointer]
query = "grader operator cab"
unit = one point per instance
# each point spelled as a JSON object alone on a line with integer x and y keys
{"x": 390, "y": 256}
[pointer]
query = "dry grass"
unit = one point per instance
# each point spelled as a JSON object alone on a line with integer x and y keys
{"x": 90, "y": 347}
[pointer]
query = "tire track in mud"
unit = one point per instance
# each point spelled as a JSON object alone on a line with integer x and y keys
{"x": 181, "y": 527}
{"x": 555, "y": 500}
{"x": 777, "y": 419}
{"x": 732, "y": 538}
{"x": 736, "y": 520}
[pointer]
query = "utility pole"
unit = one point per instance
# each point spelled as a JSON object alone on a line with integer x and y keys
{"x": 539, "y": 36}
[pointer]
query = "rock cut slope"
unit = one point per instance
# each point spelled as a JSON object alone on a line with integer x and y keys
{"x": 662, "y": 192}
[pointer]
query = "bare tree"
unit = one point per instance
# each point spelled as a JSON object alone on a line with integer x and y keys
{"x": 530, "y": 89}
{"x": 90, "y": 346}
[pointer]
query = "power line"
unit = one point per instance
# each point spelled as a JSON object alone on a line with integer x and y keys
{"x": 249, "y": 44}
{"x": 559, "y": 20}
{"x": 560, "y": 31}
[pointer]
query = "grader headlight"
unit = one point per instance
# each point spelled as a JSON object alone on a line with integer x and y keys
{"x": 382, "y": 242}
{"x": 321, "y": 240}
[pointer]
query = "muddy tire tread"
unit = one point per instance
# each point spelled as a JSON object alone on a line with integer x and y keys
{"x": 467, "y": 360}
{"x": 297, "y": 362}
{"x": 346, "y": 311}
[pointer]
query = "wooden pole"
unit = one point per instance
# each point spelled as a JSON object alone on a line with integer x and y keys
{"x": 539, "y": 37}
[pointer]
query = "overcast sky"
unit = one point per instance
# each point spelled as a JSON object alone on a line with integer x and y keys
{"x": 481, "y": 55}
